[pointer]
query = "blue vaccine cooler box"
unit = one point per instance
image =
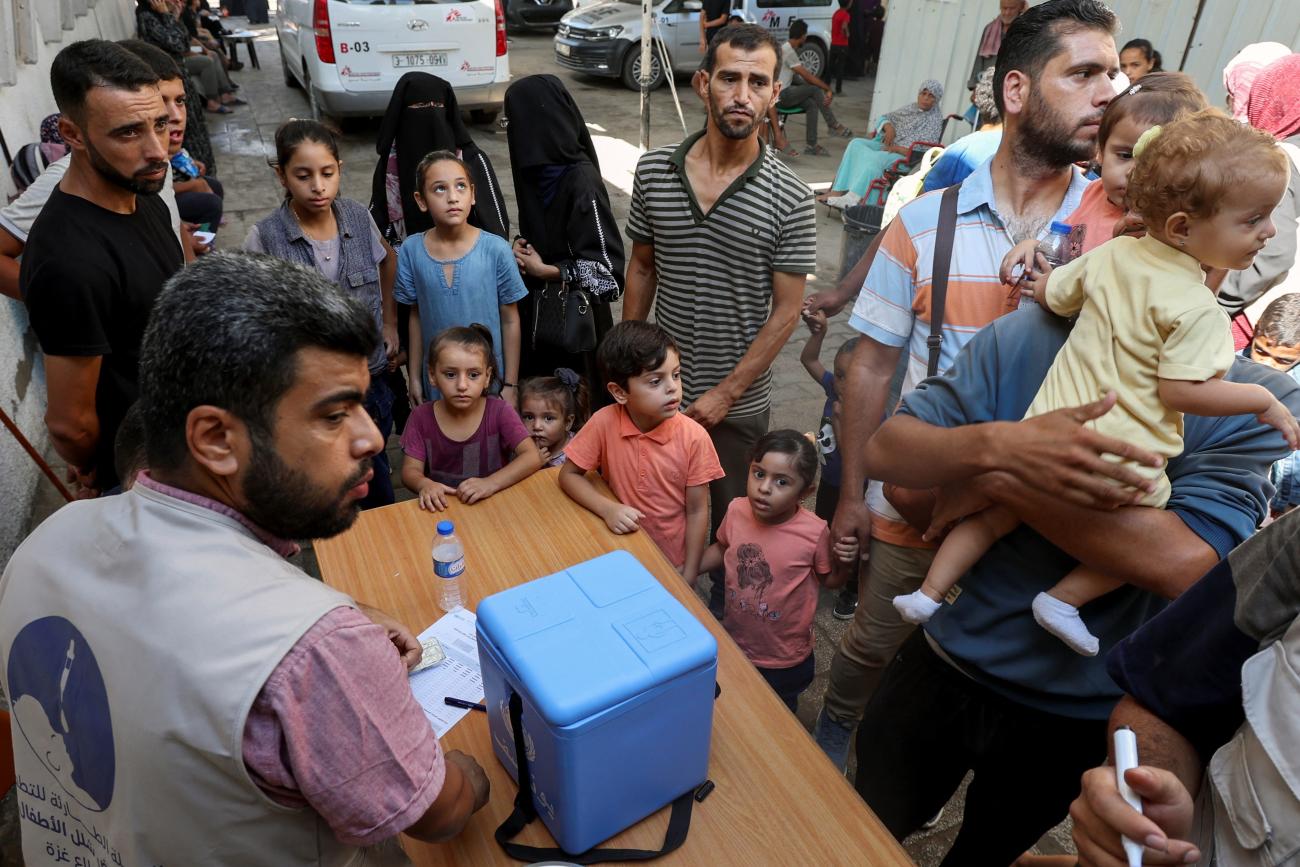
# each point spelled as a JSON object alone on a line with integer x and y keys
{"x": 616, "y": 679}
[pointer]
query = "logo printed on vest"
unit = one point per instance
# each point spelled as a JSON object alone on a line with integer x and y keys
{"x": 60, "y": 706}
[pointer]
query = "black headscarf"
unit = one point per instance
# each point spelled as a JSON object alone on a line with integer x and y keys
{"x": 547, "y": 137}
{"x": 423, "y": 116}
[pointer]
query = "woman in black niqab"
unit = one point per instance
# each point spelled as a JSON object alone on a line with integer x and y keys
{"x": 423, "y": 116}
{"x": 567, "y": 227}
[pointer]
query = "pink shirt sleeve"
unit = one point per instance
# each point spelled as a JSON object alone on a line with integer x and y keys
{"x": 587, "y": 446}
{"x": 336, "y": 728}
{"x": 823, "y": 556}
{"x": 704, "y": 466}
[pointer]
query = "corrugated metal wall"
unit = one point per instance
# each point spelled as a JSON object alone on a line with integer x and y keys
{"x": 937, "y": 39}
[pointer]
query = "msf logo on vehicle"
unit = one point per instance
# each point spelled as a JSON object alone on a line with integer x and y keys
{"x": 771, "y": 19}
{"x": 417, "y": 24}
{"x": 457, "y": 15}
{"x": 465, "y": 67}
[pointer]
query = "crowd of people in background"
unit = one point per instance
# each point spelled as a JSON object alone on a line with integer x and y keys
{"x": 1019, "y": 542}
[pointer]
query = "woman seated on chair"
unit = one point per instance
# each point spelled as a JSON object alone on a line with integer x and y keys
{"x": 866, "y": 159}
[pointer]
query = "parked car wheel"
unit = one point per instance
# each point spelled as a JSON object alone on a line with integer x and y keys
{"x": 289, "y": 79}
{"x": 484, "y": 116}
{"x": 632, "y": 68}
{"x": 813, "y": 57}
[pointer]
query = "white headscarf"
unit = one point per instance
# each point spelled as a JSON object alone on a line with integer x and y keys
{"x": 913, "y": 124}
{"x": 1240, "y": 73}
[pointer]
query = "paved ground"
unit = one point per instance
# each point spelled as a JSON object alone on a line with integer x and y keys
{"x": 244, "y": 144}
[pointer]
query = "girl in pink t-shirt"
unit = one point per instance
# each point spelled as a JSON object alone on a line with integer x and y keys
{"x": 464, "y": 444}
{"x": 775, "y": 554}
{"x": 1160, "y": 98}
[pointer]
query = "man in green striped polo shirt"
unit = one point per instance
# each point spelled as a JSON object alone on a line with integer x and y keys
{"x": 723, "y": 238}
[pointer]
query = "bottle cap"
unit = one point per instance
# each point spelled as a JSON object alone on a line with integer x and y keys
{"x": 1062, "y": 228}
{"x": 446, "y": 528}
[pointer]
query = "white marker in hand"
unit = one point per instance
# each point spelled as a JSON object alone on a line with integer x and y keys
{"x": 1126, "y": 758}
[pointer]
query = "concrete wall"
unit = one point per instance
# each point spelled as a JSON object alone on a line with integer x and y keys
{"x": 31, "y": 33}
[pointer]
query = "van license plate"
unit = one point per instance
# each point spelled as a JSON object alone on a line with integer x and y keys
{"x": 415, "y": 61}
{"x": 562, "y": 49}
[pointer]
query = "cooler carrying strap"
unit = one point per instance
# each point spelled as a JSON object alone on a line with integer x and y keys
{"x": 679, "y": 822}
{"x": 943, "y": 238}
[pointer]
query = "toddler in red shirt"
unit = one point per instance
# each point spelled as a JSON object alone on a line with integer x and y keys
{"x": 775, "y": 554}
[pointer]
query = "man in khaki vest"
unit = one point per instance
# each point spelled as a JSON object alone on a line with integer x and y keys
{"x": 183, "y": 695}
{"x": 1213, "y": 695}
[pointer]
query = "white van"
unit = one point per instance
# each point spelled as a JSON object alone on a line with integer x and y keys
{"x": 349, "y": 54}
{"x": 605, "y": 39}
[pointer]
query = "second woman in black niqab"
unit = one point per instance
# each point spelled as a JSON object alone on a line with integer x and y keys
{"x": 423, "y": 117}
{"x": 568, "y": 232}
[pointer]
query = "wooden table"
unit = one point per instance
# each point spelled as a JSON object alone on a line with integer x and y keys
{"x": 778, "y": 800}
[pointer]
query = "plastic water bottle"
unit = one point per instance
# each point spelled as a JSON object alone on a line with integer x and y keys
{"x": 448, "y": 565}
{"x": 1055, "y": 248}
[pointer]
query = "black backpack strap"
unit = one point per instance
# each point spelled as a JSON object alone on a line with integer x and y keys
{"x": 679, "y": 822}
{"x": 943, "y": 239}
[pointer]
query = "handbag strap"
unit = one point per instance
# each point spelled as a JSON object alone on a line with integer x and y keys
{"x": 679, "y": 822}
{"x": 947, "y": 228}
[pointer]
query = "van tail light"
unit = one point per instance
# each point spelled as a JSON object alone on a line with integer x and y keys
{"x": 320, "y": 23}
{"x": 501, "y": 30}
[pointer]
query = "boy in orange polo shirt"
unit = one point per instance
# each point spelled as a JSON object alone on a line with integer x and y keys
{"x": 657, "y": 461}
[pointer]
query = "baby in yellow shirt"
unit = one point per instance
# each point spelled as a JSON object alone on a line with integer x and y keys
{"x": 1148, "y": 329}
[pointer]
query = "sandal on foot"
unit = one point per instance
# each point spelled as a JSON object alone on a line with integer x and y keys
{"x": 817, "y": 151}
{"x": 789, "y": 152}
{"x": 844, "y": 132}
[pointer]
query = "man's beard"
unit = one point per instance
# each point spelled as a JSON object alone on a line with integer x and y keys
{"x": 1049, "y": 139}
{"x": 283, "y": 502}
{"x": 725, "y": 127}
{"x": 135, "y": 184}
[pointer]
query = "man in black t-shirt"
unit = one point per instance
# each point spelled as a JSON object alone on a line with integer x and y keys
{"x": 713, "y": 17}
{"x": 100, "y": 251}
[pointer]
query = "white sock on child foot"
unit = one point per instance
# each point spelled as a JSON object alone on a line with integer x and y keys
{"x": 1062, "y": 620}
{"x": 916, "y": 607}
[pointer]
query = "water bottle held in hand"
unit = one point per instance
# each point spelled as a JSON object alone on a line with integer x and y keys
{"x": 1055, "y": 248}
{"x": 448, "y": 566}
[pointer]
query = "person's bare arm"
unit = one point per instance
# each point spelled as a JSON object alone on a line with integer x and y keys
{"x": 697, "y": 530}
{"x": 10, "y": 249}
{"x": 70, "y": 415}
{"x": 415, "y": 359}
{"x": 811, "y": 356}
{"x": 510, "y": 349}
{"x": 464, "y": 792}
{"x": 1055, "y": 451}
{"x": 639, "y": 294}
{"x": 866, "y": 389}
{"x": 1217, "y": 397}
{"x": 1167, "y": 781}
{"x": 832, "y": 301}
{"x": 802, "y": 72}
{"x": 619, "y": 518}
{"x": 193, "y": 185}
{"x": 787, "y": 297}
{"x": 712, "y": 559}
{"x": 387, "y": 278}
{"x": 527, "y": 460}
{"x": 1117, "y": 542}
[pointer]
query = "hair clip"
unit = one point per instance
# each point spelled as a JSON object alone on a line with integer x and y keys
{"x": 1144, "y": 141}
{"x": 568, "y": 377}
{"x": 1134, "y": 89}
